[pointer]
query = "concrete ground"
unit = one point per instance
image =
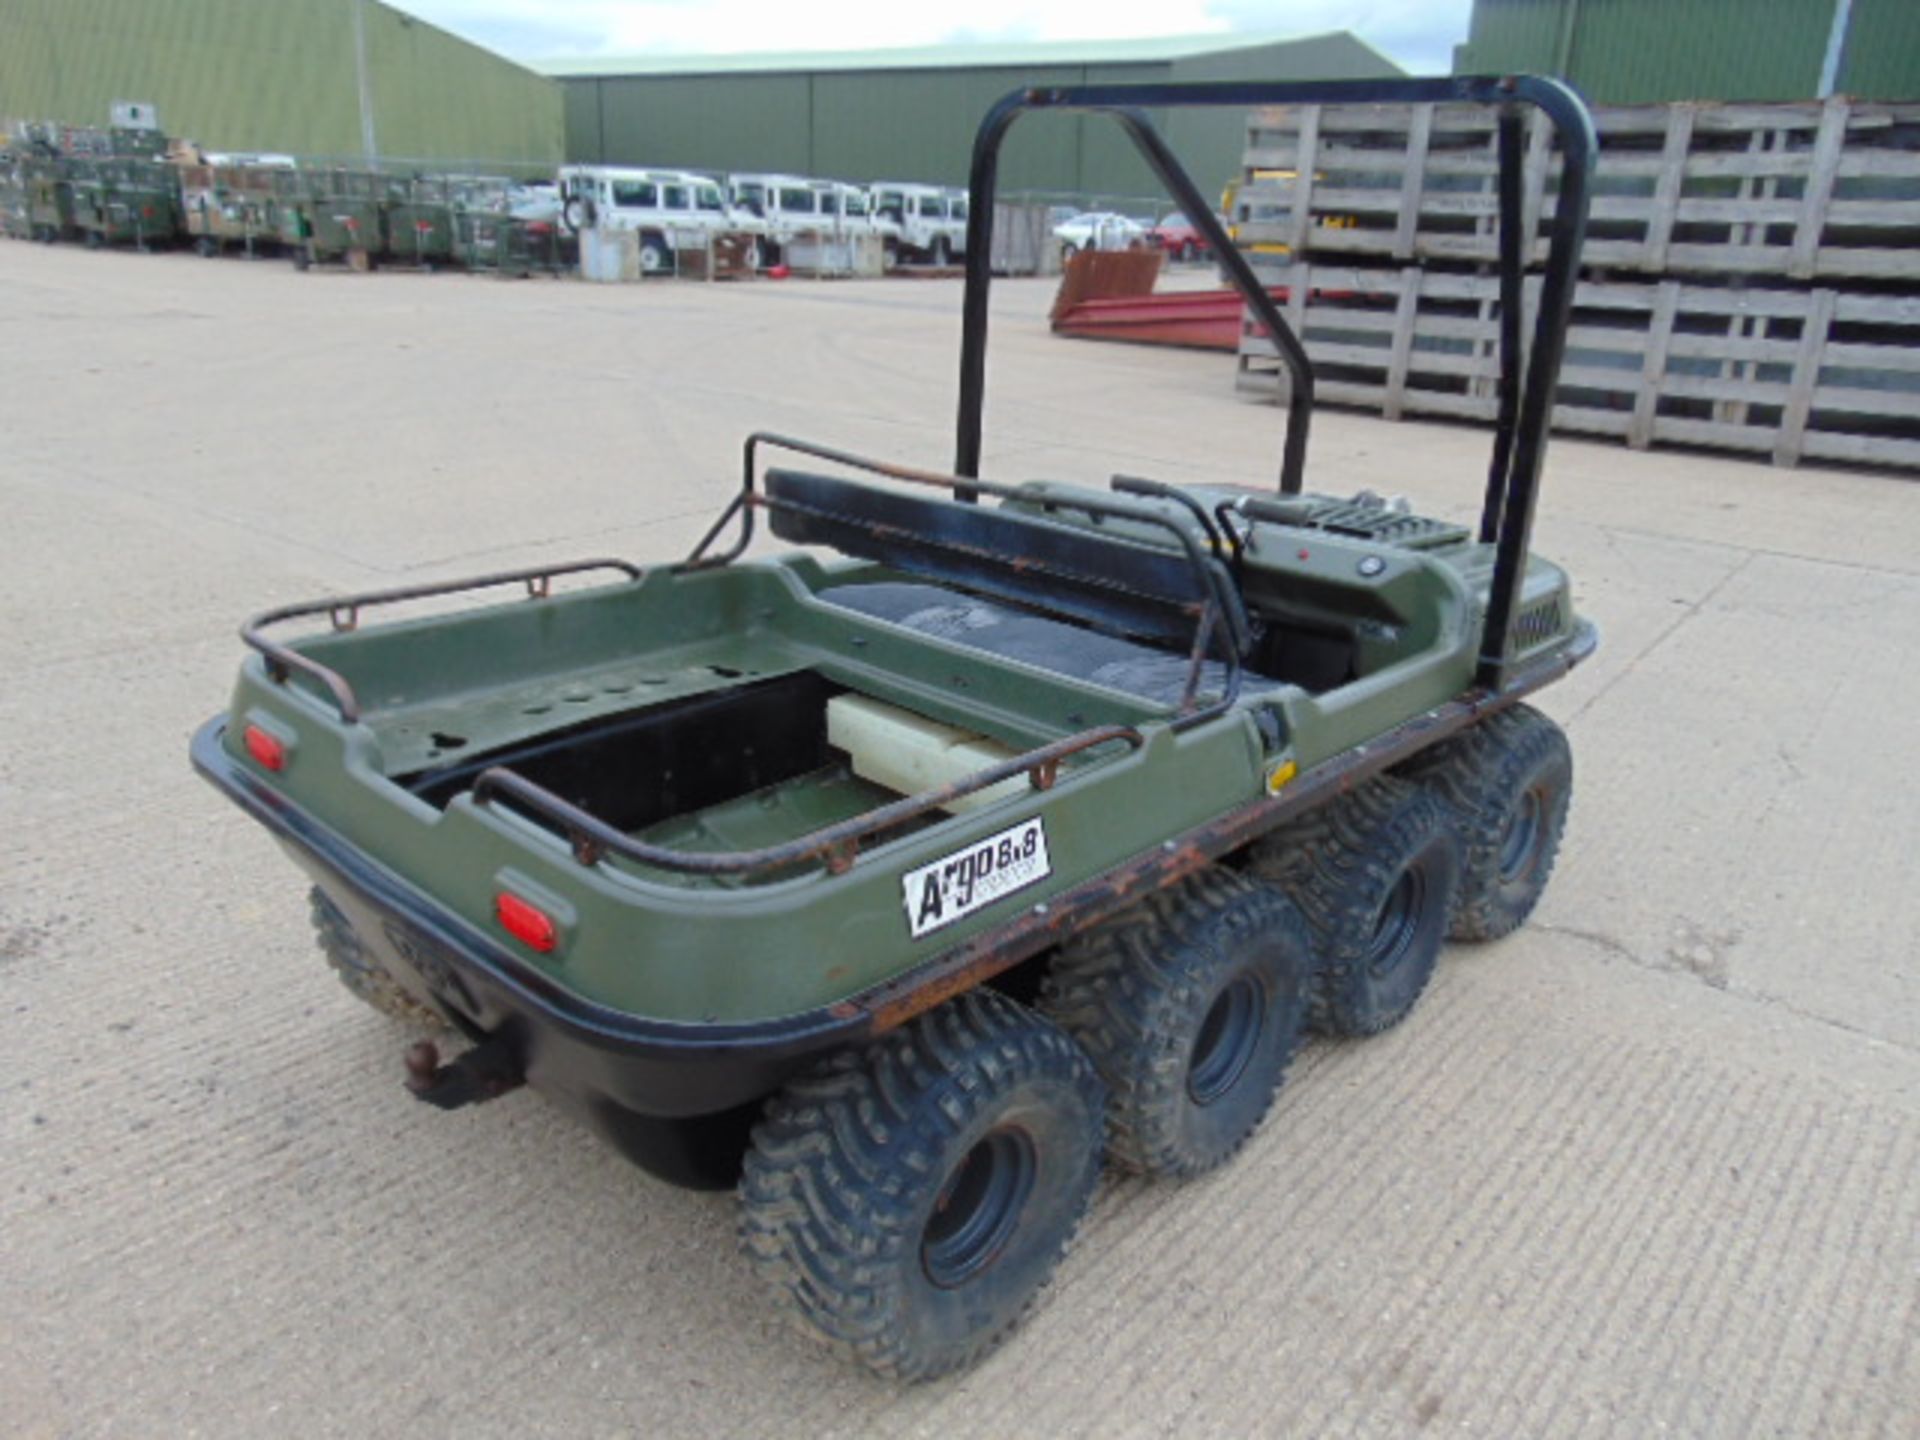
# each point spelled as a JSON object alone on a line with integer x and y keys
{"x": 1647, "y": 1167}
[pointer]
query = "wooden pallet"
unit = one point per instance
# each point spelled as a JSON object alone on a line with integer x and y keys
{"x": 1766, "y": 370}
{"x": 1804, "y": 191}
{"x": 1752, "y": 276}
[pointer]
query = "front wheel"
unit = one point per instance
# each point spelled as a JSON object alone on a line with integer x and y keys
{"x": 1507, "y": 784}
{"x": 906, "y": 1203}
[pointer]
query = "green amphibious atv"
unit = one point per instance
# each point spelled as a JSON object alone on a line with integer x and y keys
{"x": 996, "y": 830}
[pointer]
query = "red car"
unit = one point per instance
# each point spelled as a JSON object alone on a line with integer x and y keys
{"x": 1176, "y": 235}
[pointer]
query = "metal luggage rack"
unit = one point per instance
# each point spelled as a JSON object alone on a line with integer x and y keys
{"x": 837, "y": 846}
{"x": 343, "y": 613}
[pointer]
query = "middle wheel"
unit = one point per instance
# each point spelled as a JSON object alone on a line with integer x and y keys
{"x": 1374, "y": 873}
{"x": 1190, "y": 1004}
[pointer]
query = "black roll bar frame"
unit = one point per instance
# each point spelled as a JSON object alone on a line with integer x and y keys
{"x": 1528, "y": 374}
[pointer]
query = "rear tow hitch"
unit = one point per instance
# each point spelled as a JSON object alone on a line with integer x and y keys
{"x": 486, "y": 1072}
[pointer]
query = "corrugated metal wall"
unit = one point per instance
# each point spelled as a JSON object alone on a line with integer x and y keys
{"x": 918, "y": 124}
{"x": 1202, "y": 137}
{"x": 858, "y": 125}
{"x": 1882, "y": 58}
{"x": 1625, "y": 52}
{"x": 275, "y": 75}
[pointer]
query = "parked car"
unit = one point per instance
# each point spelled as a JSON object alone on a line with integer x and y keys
{"x": 1179, "y": 237}
{"x": 787, "y": 204}
{"x": 1099, "y": 230}
{"x": 921, "y": 222}
{"x": 671, "y": 209}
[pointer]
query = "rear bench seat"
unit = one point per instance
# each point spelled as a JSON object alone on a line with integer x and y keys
{"x": 1158, "y": 676}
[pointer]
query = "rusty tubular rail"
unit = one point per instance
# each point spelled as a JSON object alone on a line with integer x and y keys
{"x": 343, "y": 613}
{"x": 1216, "y": 616}
{"x": 837, "y": 846}
{"x": 1001, "y": 947}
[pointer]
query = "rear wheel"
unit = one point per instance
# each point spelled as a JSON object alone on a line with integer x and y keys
{"x": 1191, "y": 1005}
{"x": 655, "y": 257}
{"x": 907, "y": 1202}
{"x": 360, "y": 972}
{"x": 1506, "y": 784}
{"x": 206, "y": 247}
{"x": 1374, "y": 874}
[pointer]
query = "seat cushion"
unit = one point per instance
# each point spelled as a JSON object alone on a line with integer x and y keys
{"x": 1053, "y": 645}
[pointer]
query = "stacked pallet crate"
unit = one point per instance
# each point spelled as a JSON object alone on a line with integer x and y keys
{"x": 1751, "y": 277}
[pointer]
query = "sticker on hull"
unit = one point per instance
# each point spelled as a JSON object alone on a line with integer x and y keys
{"x": 955, "y": 886}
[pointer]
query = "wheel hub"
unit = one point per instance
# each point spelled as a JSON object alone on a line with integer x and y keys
{"x": 1228, "y": 1036}
{"x": 1398, "y": 922}
{"x": 1520, "y": 837}
{"x": 978, "y": 1207}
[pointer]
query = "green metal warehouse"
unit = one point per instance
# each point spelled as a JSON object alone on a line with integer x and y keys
{"x": 1630, "y": 52}
{"x": 311, "y": 77}
{"x": 910, "y": 114}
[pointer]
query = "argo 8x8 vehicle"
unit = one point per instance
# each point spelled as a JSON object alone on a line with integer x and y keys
{"x": 902, "y": 877}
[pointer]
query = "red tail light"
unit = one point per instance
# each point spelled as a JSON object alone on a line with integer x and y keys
{"x": 527, "y": 923}
{"x": 267, "y": 749}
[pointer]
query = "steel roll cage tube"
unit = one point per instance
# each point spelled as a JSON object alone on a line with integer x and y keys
{"x": 1513, "y": 477}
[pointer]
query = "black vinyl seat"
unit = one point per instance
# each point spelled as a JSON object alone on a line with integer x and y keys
{"x": 1158, "y": 676}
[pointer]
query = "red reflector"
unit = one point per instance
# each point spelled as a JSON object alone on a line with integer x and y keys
{"x": 529, "y": 926}
{"x": 264, "y": 748}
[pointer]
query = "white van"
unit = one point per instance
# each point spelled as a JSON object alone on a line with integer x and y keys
{"x": 931, "y": 220}
{"x": 671, "y": 209}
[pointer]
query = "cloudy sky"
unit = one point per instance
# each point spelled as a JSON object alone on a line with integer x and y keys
{"x": 1419, "y": 34}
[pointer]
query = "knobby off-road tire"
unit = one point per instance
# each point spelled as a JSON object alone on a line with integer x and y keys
{"x": 1191, "y": 1004}
{"x": 1374, "y": 874}
{"x": 906, "y": 1202}
{"x": 1506, "y": 784}
{"x": 361, "y": 973}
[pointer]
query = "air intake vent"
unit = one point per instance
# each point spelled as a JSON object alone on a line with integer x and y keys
{"x": 1538, "y": 624}
{"x": 1372, "y": 521}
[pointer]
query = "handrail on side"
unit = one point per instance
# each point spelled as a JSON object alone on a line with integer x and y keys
{"x": 837, "y": 846}
{"x": 344, "y": 614}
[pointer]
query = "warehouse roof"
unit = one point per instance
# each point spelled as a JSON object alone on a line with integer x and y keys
{"x": 930, "y": 57}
